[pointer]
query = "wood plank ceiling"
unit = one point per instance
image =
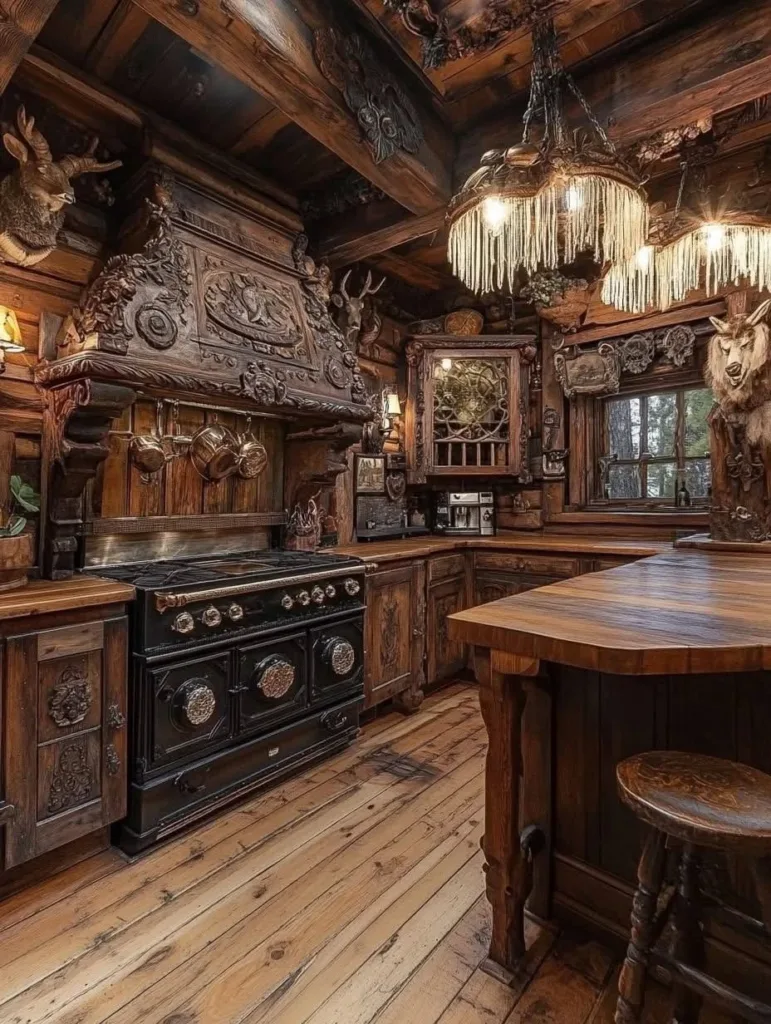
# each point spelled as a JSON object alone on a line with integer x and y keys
{"x": 242, "y": 76}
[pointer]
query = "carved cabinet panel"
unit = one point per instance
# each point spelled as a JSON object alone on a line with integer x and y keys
{"x": 467, "y": 408}
{"x": 444, "y": 657}
{"x": 394, "y": 632}
{"x": 64, "y": 734}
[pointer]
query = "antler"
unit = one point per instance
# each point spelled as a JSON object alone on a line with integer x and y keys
{"x": 343, "y": 283}
{"x": 368, "y": 289}
{"x": 76, "y": 165}
{"x": 32, "y": 137}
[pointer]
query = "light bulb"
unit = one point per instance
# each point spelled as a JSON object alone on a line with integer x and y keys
{"x": 574, "y": 197}
{"x": 643, "y": 257}
{"x": 715, "y": 235}
{"x": 447, "y": 364}
{"x": 494, "y": 213}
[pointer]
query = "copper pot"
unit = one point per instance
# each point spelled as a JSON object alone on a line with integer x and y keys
{"x": 214, "y": 450}
{"x": 253, "y": 458}
{"x": 147, "y": 450}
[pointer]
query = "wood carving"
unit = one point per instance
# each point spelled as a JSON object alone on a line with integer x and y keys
{"x": 73, "y": 778}
{"x": 441, "y": 43}
{"x": 120, "y": 303}
{"x": 353, "y": 307}
{"x": 739, "y": 371}
{"x": 33, "y": 197}
{"x": 387, "y": 119}
{"x": 389, "y": 648}
{"x": 70, "y": 698}
{"x": 589, "y": 373}
{"x": 344, "y": 193}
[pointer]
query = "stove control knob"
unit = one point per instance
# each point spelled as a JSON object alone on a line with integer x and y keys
{"x": 329, "y": 590}
{"x": 304, "y": 598}
{"x": 287, "y": 602}
{"x": 211, "y": 617}
{"x": 352, "y": 587}
{"x": 235, "y": 612}
{"x": 318, "y": 595}
{"x": 183, "y": 623}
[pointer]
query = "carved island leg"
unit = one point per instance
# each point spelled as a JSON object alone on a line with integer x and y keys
{"x": 688, "y": 946}
{"x": 508, "y": 873}
{"x": 631, "y": 982}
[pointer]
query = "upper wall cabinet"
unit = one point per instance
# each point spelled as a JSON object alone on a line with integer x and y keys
{"x": 467, "y": 409}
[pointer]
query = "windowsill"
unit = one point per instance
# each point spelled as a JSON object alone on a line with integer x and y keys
{"x": 686, "y": 519}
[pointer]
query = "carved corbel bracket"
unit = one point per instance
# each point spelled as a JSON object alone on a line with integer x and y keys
{"x": 76, "y": 420}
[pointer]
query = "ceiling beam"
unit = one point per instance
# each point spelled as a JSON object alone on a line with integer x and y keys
{"x": 20, "y": 23}
{"x": 350, "y": 241}
{"x": 417, "y": 274}
{"x": 269, "y": 45}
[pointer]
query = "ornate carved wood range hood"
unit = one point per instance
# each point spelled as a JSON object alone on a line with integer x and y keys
{"x": 205, "y": 302}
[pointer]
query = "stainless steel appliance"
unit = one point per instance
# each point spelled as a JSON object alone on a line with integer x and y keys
{"x": 244, "y": 668}
{"x": 464, "y": 512}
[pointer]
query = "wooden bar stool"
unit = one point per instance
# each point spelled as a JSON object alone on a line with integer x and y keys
{"x": 695, "y": 801}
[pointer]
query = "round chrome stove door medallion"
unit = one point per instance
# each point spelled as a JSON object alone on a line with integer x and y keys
{"x": 276, "y": 678}
{"x": 341, "y": 656}
{"x": 199, "y": 704}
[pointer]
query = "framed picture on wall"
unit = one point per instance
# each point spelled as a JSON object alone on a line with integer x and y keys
{"x": 370, "y": 474}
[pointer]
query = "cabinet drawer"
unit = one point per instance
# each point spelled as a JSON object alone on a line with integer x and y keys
{"x": 546, "y": 565}
{"x": 444, "y": 566}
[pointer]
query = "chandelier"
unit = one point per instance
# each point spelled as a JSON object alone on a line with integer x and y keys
{"x": 537, "y": 207}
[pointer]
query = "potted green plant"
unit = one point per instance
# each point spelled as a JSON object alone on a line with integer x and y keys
{"x": 16, "y": 550}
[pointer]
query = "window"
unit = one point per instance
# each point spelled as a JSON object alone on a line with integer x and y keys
{"x": 655, "y": 447}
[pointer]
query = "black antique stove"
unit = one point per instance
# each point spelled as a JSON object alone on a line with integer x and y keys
{"x": 244, "y": 668}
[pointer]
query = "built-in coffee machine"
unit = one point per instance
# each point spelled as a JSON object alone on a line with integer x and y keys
{"x": 464, "y": 512}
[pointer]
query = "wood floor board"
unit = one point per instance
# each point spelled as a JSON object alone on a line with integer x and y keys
{"x": 138, "y": 946}
{"x": 352, "y": 894}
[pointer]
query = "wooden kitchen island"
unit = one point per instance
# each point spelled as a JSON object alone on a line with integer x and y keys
{"x": 671, "y": 652}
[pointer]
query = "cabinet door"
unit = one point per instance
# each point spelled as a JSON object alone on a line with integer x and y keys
{"x": 64, "y": 735}
{"x": 494, "y": 586}
{"x": 392, "y": 633}
{"x": 445, "y": 658}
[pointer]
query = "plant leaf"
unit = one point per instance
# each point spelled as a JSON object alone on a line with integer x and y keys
{"x": 15, "y": 525}
{"x": 24, "y": 494}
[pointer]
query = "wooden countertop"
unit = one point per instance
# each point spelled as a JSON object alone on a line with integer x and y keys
{"x": 41, "y": 597}
{"x": 683, "y": 612}
{"x": 423, "y": 547}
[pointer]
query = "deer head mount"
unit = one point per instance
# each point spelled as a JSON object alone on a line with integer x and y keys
{"x": 33, "y": 197}
{"x": 739, "y": 370}
{"x": 353, "y": 306}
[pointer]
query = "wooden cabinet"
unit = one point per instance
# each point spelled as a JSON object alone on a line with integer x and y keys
{"x": 395, "y": 635}
{"x": 444, "y": 658}
{"x": 64, "y": 730}
{"x": 467, "y": 407}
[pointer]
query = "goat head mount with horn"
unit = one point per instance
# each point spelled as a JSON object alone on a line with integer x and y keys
{"x": 353, "y": 307}
{"x": 33, "y": 197}
{"x": 739, "y": 371}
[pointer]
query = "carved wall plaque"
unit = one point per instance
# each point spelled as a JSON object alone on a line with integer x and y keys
{"x": 589, "y": 373}
{"x": 387, "y": 118}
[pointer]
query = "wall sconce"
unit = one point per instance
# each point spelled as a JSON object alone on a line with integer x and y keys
{"x": 10, "y": 335}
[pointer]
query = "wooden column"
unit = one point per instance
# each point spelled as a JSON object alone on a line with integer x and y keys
{"x": 502, "y": 693}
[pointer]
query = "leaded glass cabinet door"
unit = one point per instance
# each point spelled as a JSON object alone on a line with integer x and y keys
{"x": 472, "y": 406}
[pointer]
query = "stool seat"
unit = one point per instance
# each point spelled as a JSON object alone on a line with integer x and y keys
{"x": 700, "y": 799}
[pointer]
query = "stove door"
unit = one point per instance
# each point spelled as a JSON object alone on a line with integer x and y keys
{"x": 191, "y": 707}
{"x": 272, "y": 681}
{"x": 337, "y": 661}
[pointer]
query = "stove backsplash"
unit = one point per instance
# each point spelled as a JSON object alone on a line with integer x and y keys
{"x": 117, "y": 549}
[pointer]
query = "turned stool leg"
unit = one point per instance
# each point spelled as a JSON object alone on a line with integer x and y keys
{"x": 688, "y": 944}
{"x": 631, "y": 983}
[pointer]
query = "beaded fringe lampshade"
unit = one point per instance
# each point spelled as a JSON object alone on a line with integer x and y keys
{"x": 531, "y": 207}
{"x": 712, "y": 256}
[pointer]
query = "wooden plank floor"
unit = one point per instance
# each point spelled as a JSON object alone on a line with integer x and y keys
{"x": 351, "y": 894}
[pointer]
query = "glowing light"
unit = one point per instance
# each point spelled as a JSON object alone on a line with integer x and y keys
{"x": 494, "y": 213}
{"x": 447, "y": 364}
{"x": 715, "y": 236}
{"x": 574, "y": 198}
{"x": 643, "y": 257}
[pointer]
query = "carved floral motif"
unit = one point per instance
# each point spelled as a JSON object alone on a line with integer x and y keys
{"x": 70, "y": 698}
{"x": 389, "y": 648}
{"x": 73, "y": 778}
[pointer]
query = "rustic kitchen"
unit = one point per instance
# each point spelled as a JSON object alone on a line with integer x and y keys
{"x": 385, "y": 512}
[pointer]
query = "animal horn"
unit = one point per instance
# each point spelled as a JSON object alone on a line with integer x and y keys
{"x": 367, "y": 284}
{"x": 33, "y": 137}
{"x": 720, "y": 325}
{"x": 86, "y": 164}
{"x": 760, "y": 313}
{"x": 343, "y": 283}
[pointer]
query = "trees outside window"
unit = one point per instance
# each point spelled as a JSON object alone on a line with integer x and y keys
{"x": 656, "y": 445}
